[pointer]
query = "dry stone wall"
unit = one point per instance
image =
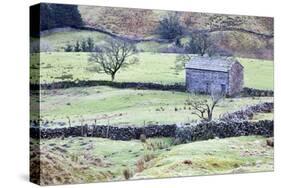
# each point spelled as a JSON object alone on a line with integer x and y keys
{"x": 121, "y": 85}
{"x": 248, "y": 112}
{"x": 231, "y": 124}
{"x": 222, "y": 129}
{"x": 184, "y": 133}
{"x": 137, "y": 85}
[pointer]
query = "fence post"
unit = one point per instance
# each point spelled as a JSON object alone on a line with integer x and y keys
{"x": 86, "y": 130}
{"x": 69, "y": 122}
{"x": 107, "y": 131}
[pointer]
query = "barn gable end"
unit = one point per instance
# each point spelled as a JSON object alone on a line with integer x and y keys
{"x": 236, "y": 78}
{"x": 205, "y": 74}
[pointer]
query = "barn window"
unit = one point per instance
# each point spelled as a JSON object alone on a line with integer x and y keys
{"x": 223, "y": 88}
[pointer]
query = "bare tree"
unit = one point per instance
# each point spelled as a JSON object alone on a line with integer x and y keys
{"x": 114, "y": 55}
{"x": 204, "y": 108}
{"x": 180, "y": 62}
{"x": 170, "y": 26}
{"x": 202, "y": 43}
{"x": 199, "y": 43}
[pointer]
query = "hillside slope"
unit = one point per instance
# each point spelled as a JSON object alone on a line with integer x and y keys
{"x": 73, "y": 160}
{"x": 143, "y": 22}
{"x": 248, "y": 36}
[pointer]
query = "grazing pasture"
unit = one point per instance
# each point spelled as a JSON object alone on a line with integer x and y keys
{"x": 158, "y": 40}
{"x": 152, "y": 67}
{"x": 59, "y": 40}
{"x": 128, "y": 106}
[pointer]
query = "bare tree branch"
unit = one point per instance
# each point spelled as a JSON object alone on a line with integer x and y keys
{"x": 204, "y": 108}
{"x": 113, "y": 56}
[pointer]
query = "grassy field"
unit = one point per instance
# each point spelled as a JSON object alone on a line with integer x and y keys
{"x": 152, "y": 67}
{"x": 89, "y": 159}
{"x": 258, "y": 73}
{"x": 97, "y": 159}
{"x": 127, "y": 106}
{"x": 59, "y": 40}
{"x": 72, "y": 66}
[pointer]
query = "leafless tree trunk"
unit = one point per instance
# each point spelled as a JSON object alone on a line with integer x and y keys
{"x": 113, "y": 56}
{"x": 204, "y": 109}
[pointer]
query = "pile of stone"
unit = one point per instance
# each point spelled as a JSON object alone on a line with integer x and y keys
{"x": 247, "y": 92}
{"x": 104, "y": 131}
{"x": 121, "y": 85}
{"x": 222, "y": 129}
{"x": 248, "y": 112}
{"x": 184, "y": 133}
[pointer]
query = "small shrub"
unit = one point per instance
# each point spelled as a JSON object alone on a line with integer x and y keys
{"x": 140, "y": 165}
{"x": 148, "y": 157}
{"x": 74, "y": 158}
{"x": 153, "y": 145}
{"x": 127, "y": 173}
{"x": 84, "y": 47}
{"x": 90, "y": 45}
{"x": 270, "y": 142}
{"x": 68, "y": 48}
{"x": 170, "y": 27}
{"x": 188, "y": 162}
{"x": 77, "y": 47}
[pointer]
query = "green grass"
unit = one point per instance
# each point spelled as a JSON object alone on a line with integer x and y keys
{"x": 59, "y": 40}
{"x": 262, "y": 116}
{"x": 98, "y": 159}
{"x": 127, "y": 106}
{"x": 151, "y": 46}
{"x": 231, "y": 155}
{"x": 258, "y": 73}
{"x": 152, "y": 67}
{"x": 123, "y": 107}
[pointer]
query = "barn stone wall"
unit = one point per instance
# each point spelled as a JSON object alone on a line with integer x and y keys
{"x": 203, "y": 81}
{"x": 236, "y": 79}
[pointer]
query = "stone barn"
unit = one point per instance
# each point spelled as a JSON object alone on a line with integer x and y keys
{"x": 206, "y": 74}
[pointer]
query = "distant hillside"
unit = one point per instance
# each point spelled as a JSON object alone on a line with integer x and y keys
{"x": 243, "y": 36}
{"x": 246, "y": 36}
{"x": 142, "y": 22}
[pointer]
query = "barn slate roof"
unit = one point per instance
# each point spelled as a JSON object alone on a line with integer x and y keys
{"x": 211, "y": 63}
